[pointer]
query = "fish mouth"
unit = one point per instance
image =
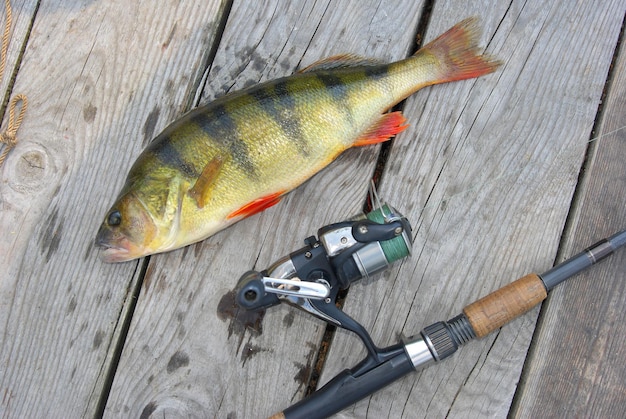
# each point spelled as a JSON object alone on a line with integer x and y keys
{"x": 115, "y": 252}
{"x": 111, "y": 254}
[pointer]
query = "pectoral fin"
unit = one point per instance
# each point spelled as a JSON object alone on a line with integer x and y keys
{"x": 257, "y": 205}
{"x": 201, "y": 190}
{"x": 388, "y": 125}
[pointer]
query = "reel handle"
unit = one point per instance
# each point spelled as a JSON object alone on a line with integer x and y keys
{"x": 251, "y": 293}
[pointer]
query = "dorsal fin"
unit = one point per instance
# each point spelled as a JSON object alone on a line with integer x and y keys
{"x": 340, "y": 61}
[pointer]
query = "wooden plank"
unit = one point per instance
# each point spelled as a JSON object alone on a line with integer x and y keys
{"x": 180, "y": 358}
{"x": 576, "y": 367}
{"x": 101, "y": 77}
{"x": 486, "y": 174}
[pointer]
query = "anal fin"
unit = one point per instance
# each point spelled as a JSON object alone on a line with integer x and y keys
{"x": 201, "y": 190}
{"x": 257, "y": 205}
{"x": 387, "y": 126}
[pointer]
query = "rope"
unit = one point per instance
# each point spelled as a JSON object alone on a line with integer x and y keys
{"x": 8, "y": 137}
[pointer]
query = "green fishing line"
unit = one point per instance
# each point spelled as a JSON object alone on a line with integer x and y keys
{"x": 395, "y": 248}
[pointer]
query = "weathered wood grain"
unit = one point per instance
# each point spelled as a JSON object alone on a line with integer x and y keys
{"x": 23, "y": 15}
{"x": 576, "y": 367}
{"x": 180, "y": 359}
{"x": 486, "y": 174}
{"x": 101, "y": 77}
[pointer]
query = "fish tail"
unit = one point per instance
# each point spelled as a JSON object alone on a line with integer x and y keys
{"x": 457, "y": 55}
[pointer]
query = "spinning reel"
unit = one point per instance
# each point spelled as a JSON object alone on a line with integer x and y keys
{"x": 345, "y": 252}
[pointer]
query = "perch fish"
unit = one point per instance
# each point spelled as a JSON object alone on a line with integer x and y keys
{"x": 239, "y": 154}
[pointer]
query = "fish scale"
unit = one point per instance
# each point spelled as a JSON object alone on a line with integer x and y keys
{"x": 241, "y": 153}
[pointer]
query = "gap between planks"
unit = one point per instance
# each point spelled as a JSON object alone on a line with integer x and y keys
{"x": 126, "y": 316}
{"x": 18, "y": 61}
{"x": 379, "y": 169}
{"x": 128, "y": 311}
{"x": 124, "y": 320}
{"x": 592, "y": 145}
{"x": 571, "y": 221}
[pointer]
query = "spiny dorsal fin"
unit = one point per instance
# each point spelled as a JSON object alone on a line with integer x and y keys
{"x": 340, "y": 61}
{"x": 201, "y": 190}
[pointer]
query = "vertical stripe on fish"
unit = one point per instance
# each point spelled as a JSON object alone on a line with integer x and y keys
{"x": 222, "y": 128}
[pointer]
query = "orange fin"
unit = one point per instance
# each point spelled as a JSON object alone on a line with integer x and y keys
{"x": 340, "y": 61}
{"x": 201, "y": 190}
{"x": 458, "y": 54}
{"x": 388, "y": 125}
{"x": 257, "y": 205}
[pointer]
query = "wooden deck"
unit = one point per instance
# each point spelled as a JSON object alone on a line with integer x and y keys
{"x": 500, "y": 176}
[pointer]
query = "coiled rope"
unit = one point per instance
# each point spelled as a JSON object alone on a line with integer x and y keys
{"x": 8, "y": 136}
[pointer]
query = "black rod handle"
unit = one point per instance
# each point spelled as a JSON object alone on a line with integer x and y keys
{"x": 346, "y": 389}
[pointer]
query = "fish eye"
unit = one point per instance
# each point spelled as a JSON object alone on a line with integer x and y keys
{"x": 114, "y": 218}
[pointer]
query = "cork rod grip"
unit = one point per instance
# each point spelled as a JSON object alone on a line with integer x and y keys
{"x": 280, "y": 415}
{"x": 501, "y": 306}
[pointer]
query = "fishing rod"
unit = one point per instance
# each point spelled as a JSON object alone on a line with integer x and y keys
{"x": 311, "y": 277}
